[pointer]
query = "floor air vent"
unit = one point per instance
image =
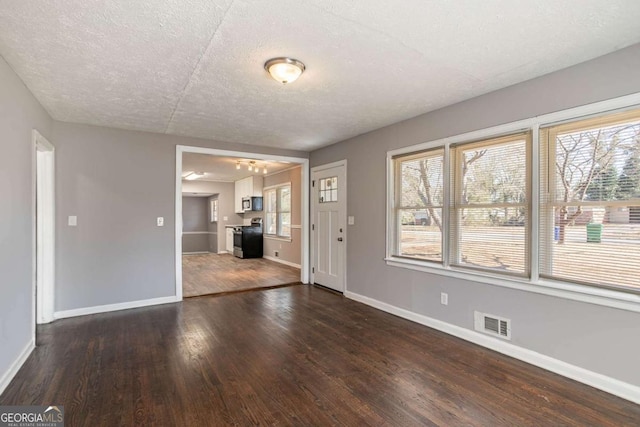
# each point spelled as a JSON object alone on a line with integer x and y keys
{"x": 494, "y": 325}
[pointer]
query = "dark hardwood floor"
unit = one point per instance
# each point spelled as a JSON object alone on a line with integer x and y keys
{"x": 290, "y": 356}
{"x": 205, "y": 274}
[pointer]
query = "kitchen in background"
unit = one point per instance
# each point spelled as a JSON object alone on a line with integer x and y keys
{"x": 227, "y": 244}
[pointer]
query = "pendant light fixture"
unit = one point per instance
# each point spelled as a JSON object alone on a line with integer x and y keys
{"x": 284, "y": 70}
{"x": 252, "y": 166}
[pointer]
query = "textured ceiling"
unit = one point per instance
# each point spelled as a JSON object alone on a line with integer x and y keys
{"x": 218, "y": 168}
{"x": 195, "y": 67}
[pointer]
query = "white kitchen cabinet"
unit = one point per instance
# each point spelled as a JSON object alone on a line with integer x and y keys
{"x": 250, "y": 186}
{"x": 229, "y": 240}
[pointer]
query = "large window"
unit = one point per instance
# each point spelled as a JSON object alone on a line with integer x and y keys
{"x": 469, "y": 204}
{"x": 419, "y": 200}
{"x": 490, "y": 211}
{"x": 278, "y": 211}
{"x": 590, "y": 201}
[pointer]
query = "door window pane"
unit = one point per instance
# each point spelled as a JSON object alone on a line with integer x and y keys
{"x": 328, "y": 190}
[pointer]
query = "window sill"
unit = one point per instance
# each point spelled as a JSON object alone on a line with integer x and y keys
{"x": 278, "y": 238}
{"x": 571, "y": 291}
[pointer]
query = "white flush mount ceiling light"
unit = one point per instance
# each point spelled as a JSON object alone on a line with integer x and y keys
{"x": 284, "y": 70}
{"x": 193, "y": 175}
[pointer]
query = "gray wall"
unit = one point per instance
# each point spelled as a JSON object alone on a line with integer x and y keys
{"x": 20, "y": 112}
{"x": 117, "y": 182}
{"x": 195, "y": 218}
{"x": 597, "y": 338}
{"x": 288, "y": 251}
{"x": 225, "y": 192}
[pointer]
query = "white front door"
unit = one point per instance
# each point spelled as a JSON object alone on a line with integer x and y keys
{"x": 328, "y": 225}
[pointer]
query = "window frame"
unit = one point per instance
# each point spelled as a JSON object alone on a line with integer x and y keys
{"x": 626, "y": 299}
{"x": 398, "y": 204}
{"x": 278, "y": 212}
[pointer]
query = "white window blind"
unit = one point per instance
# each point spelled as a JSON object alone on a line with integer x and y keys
{"x": 278, "y": 211}
{"x": 270, "y": 212}
{"x": 419, "y": 202}
{"x": 490, "y": 209}
{"x": 590, "y": 201}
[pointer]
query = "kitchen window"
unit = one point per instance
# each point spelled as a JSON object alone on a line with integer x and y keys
{"x": 551, "y": 201}
{"x": 278, "y": 211}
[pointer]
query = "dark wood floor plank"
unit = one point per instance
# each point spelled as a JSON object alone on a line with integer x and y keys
{"x": 289, "y": 357}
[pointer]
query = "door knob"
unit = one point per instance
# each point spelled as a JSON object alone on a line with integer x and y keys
{"x": 339, "y": 239}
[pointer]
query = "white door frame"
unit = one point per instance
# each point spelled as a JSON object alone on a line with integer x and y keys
{"x": 314, "y": 169}
{"x": 43, "y": 229}
{"x": 304, "y": 163}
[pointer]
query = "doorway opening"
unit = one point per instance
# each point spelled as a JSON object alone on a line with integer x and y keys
{"x": 241, "y": 221}
{"x": 44, "y": 227}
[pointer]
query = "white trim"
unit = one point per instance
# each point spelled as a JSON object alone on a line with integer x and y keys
{"x": 114, "y": 307}
{"x": 282, "y": 171}
{"x": 276, "y": 186}
{"x": 222, "y": 252}
{"x": 196, "y": 253}
{"x": 199, "y": 232}
{"x": 281, "y": 261}
{"x": 542, "y": 120}
{"x": 178, "y": 224}
{"x": 608, "y": 384}
{"x": 278, "y": 238}
{"x": 591, "y": 294}
{"x": 43, "y": 229}
{"x": 308, "y": 236}
{"x": 303, "y": 163}
{"x": 588, "y": 294}
{"x": 8, "y": 376}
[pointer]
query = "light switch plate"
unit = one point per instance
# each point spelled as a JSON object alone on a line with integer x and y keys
{"x": 73, "y": 220}
{"x": 444, "y": 298}
{"x": 225, "y": 218}
{"x": 160, "y": 221}
{"x": 351, "y": 220}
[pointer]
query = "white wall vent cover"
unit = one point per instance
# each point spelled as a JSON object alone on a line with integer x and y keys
{"x": 493, "y": 325}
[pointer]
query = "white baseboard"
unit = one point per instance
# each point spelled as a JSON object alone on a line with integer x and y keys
{"x": 610, "y": 385}
{"x": 281, "y": 261}
{"x": 16, "y": 365}
{"x": 113, "y": 307}
{"x": 223, "y": 252}
{"x": 196, "y": 253}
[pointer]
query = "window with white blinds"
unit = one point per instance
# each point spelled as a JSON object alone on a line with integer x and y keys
{"x": 419, "y": 203}
{"x": 590, "y": 201}
{"x": 277, "y": 207}
{"x": 469, "y": 204}
{"x": 490, "y": 210}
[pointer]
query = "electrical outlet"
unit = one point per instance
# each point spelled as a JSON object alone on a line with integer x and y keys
{"x": 73, "y": 221}
{"x": 444, "y": 298}
{"x": 160, "y": 221}
{"x": 276, "y": 253}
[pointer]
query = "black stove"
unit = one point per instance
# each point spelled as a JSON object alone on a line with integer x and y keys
{"x": 247, "y": 240}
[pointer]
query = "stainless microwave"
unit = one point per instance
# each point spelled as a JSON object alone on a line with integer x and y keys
{"x": 251, "y": 204}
